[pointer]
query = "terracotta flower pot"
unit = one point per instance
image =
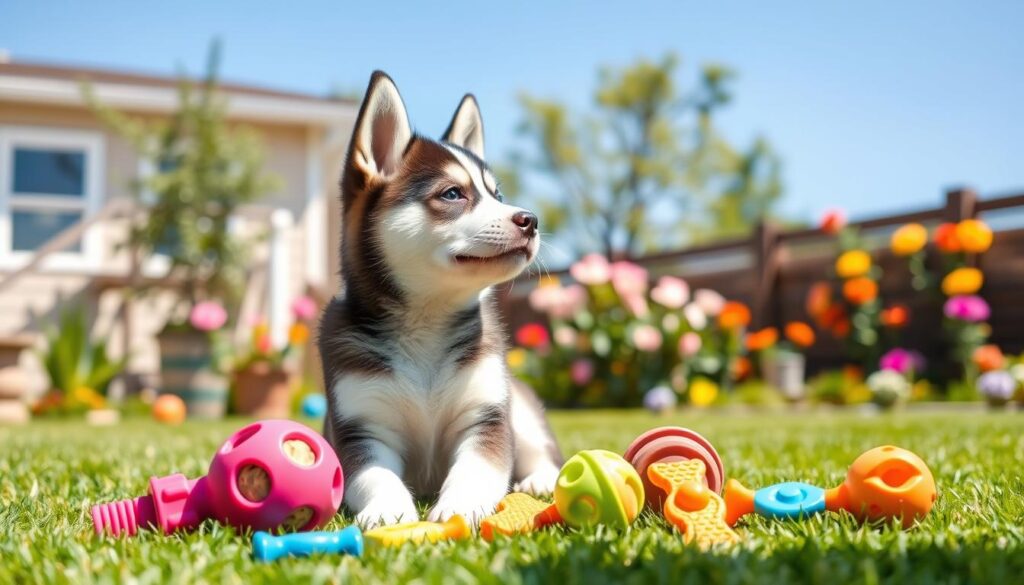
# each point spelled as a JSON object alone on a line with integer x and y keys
{"x": 263, "y": 391}
{"x": 187, "y": 370}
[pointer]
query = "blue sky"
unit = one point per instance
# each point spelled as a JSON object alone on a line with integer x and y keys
{"x": 876, "y": 107}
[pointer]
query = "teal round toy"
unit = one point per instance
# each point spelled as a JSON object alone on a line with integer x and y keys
{"x": 314, "y": 406}
{"x": 598, "y": 487}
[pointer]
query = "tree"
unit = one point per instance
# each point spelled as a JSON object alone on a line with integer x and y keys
{"x": 203, "y": 170}
{"x": 647, "y": 170}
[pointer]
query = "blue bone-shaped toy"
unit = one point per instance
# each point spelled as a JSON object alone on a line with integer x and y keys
{"x": 267, "y": 547}
{"x": 790, "y": 499}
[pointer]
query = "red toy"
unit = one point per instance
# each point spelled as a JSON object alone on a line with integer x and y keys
{"x": 270, "y": 475}
{"x": 668, "y": 444}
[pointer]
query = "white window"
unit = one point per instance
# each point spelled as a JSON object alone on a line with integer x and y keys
{"x": 50, "y": 180}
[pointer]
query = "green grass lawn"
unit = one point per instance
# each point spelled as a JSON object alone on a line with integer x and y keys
{"x": 52, "y": 472}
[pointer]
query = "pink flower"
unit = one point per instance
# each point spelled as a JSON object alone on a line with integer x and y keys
{"x": 902, "y": 361}
{"x": 695, "y": 316}
{"x": 970, "y": 308}
{"x": 581, "y": 372}
{"x": 630, "y": 282}
{"x": 304, "y": 308}
{"x": 689, "y": 344}
{"x": 565, "y": 336}
{"x": 557, "y": 301}
{"x": 592, "y": 269}
{"x": 647, "y": 338}
{"x": 208, "y": 316}
{"x": 709, "y": 301}
{"x": 671, "y": 292}
{"x": 263, "y": 344}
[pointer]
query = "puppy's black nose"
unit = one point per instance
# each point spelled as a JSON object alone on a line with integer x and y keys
{"x": 527, "y": 221}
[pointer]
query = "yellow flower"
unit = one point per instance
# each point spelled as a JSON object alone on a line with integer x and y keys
{"x": 549, "y": 281}
{"x": 853, "y": 264}
{"x": 92, "y": 399}
{"x": 259, "y": 331}
{"x": 298, "y": 334}
{"x": 703, "y": 392}
{"x": 516, "y": 358}
{"x": 962, "y": 281}
{"x": 909, "y": 239}
{"x": 974, "y": 236}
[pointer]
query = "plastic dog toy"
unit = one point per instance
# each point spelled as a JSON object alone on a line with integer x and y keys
{"x": 882, "y": 484}
{"x": 455, "y": 528}
{"x": 270, "y": 475}
{"x": 667, "y": 444}
{"x": 598, "y": 486}
{"x": 690, "y": 505}
{"x": 519, "y": 514}
{"x": 267, "y": 547}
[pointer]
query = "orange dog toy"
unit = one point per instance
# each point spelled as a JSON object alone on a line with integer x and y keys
{"x": 518, "y": 514}
{"x": 455, "y": 528}
{"x": 695, "y": 510}
{"x": 882, "y": 484}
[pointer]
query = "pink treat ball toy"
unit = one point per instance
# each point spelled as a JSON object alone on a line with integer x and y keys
{"x": 270, "y": 475}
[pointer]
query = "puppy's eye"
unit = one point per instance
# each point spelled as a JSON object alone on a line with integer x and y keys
{"x": 453, "y": 194}
{"x": 499, "y": 196}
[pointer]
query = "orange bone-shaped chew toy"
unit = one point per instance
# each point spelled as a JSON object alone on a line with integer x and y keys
{"x": 696, "y": 511}
{"x": 517, "y": 514}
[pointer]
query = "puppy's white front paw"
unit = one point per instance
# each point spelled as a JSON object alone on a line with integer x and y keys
{"x": 539, "y": 483}
{"x": 472, "y": 511}
{"x": 383, "y": 511}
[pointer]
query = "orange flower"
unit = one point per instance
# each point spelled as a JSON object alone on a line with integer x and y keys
{"x": 909, "y": 239}
{"x": 974, "y": 236}
{"x": 946, "y": 239}
{"x": 833, "y": 221}
{"x": 853, "y": 263}
{"x": 800, "y": 333}
{"x": 860, "y": 290}
{"x": 298, "y": 334}
{"x": 962, "y": 281}
{"x": 734, "y": 315}
{"x": 532, "y": 336}
{"x": 841, "y": 328}
{"x": 763, "y": 339}
{"x": 831, "y": 316}
{"x": 742, "y": 367}
{"x": 853, "y": 373}
{"x": 988, "y": 358}
{"x": 895, "y": 317}
{"x": 819, "y": 299}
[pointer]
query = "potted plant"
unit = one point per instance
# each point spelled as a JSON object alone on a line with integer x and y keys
{"x": 202, "y": 171}
{"x": 263, "y": 374}
{"x": 79, "y": 370}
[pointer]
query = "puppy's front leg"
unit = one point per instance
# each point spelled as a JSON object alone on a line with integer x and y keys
{"x": 482, "y": 468}
{"x": 375, "y": 491}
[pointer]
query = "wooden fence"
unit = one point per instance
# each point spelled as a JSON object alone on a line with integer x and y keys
{"x": 773, "y": 269}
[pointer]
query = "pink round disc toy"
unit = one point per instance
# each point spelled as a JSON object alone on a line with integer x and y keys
{"x": 668, "y": 444}
{"x": 270, "y": 475}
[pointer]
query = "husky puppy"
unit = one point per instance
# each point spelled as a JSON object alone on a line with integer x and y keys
{"x": 420, "y": 400}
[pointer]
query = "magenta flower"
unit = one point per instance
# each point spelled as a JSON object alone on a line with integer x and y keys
{"x": 581, "y": 372}
{"x": 592, "y": 269}
{"x": 671, "y": 292}
{"x": 970, "y": 308}
{"x": 304, "y": 308}
{"x": 902, "y": 360}
{"x": 208, "y": 316}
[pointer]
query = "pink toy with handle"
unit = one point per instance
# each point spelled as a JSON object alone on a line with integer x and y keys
{"x": 270, "y": 475}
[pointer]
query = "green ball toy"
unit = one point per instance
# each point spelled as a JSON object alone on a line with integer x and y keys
{"x": 598, "y": 487}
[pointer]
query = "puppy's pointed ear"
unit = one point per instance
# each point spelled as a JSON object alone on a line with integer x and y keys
{"x": 467, "y": 127}
{"x": 382, "y": 130}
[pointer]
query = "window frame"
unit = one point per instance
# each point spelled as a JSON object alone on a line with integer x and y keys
{"x": 93, "y": 147}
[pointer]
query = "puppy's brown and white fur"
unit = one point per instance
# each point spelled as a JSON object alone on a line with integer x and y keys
{"x": 420, "y": 400}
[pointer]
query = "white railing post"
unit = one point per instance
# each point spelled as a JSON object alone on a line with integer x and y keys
{"x": 279, "y": 276}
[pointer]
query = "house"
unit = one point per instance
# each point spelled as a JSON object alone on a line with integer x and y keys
{"x": 66, "y": 181}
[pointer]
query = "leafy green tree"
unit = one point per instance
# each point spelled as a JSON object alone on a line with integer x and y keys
{"x": 647, "y": 169}
{"x": 203, "y": 170}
